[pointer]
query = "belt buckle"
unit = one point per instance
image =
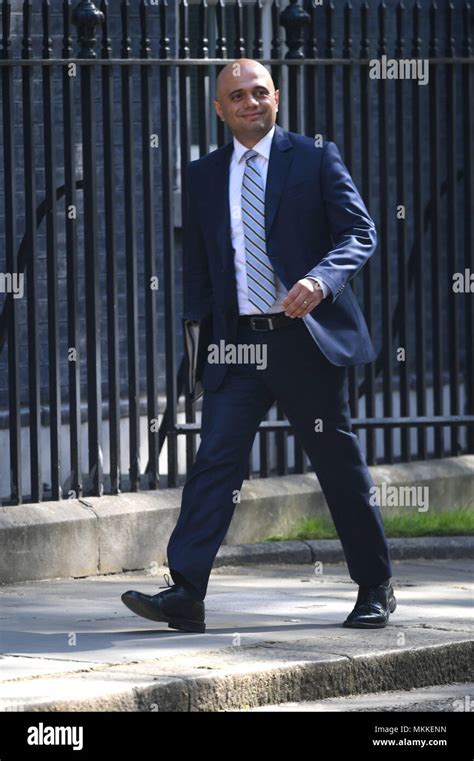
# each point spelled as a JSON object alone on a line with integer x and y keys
{"x": 268, "y": 320}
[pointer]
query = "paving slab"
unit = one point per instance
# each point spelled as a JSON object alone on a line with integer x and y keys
{"x": 273, "y": 634}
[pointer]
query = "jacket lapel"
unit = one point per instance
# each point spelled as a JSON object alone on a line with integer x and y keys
{"x": 278, "y": 166}
{"x": 220, "y": 208}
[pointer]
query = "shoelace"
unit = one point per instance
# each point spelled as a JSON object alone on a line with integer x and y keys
{"x": 167, "y": 577}
{"x": 168, "y": 585}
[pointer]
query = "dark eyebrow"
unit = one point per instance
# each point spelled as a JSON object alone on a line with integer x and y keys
{"x": 257, "y": 87}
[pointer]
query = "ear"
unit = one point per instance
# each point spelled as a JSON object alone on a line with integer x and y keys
{"x": 218, "y": 108}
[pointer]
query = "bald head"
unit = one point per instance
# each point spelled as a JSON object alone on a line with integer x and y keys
{"x": 246, "y": 100}
{"x": 234, "y": 71}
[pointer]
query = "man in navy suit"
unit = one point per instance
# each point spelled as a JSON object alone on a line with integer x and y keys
{"x": 275, "y": 229}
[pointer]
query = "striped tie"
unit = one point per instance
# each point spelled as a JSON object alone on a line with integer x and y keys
{"x": 260, "y": 273}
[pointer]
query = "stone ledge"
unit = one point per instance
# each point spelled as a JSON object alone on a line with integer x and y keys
{"x": 144, "y": 688}
{"x": 110, "y": 534}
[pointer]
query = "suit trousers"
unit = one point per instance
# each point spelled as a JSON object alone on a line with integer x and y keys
{"x": 314, "y": 396}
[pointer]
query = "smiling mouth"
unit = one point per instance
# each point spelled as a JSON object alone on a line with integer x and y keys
{"x": 250, "y": 116}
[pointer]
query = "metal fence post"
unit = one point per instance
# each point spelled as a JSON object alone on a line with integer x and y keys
{"x": 86, "y": 17}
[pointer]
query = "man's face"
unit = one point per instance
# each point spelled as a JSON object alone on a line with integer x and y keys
{"x": 248, "y": 103}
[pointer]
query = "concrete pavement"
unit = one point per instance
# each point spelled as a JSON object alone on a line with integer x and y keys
{"x": 273, "y": 634}
{"x": 449, "y": 698}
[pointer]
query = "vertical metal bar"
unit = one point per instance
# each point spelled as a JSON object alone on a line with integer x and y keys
{"x": 130, "y": 251}
{"x": 257, "y": 41}
{"x": 34, "y": 386}
{"x": 420, "y": 301}
{"x": 293, "y": 40}
{"x": 184, "y": 79}
{"x": 280, "y": 436}
{"x": 468, "y": 152}
{"x": 451, "y": 208}
{"x": 386, "y": 287}
{"x": 275, "y": 51}
{"x": 263, "y": 452}
{"x": 203, "y": 82}
{"x": 311, "y": 74}
{"x": 293, "y": 19}
{"x": 110, "y": 214}
{"x": 348, "y": 115}
{"x": 300, "y": 458}
{"x": 435, "y": 251}
{"x": 11, "y": 259}
{"x": 330, "y": 72}
{"x": 151, "y": 264}
{"x": 401, "y": 228}
{"x": 281, "y": 444}
{"x": 348, "y": 129}
{"x": 70, "y": 200}
{"x": 221, "y": 52}
{"x": 168, "y": 247}
{"x": 221, "y": 42}
{"x": 86, "y": 18}
{"x": 365, "y": 141}
{"x": 51, "y": 255}
{"x": 294, "y": 79}
{"x": 239, "y": 41}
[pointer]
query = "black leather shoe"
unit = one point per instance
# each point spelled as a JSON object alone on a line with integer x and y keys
{"x": 175, "y": 606}
{"x": 372, "y": 608}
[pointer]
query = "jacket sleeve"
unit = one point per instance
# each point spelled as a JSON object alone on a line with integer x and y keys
{"x": 353, "y": 233}
{"x": 197, "y": 287}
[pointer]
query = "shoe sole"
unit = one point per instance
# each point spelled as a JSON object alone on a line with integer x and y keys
{"x": 188, "y": 626}
{"x": 140, "y": 608}
{"x": 391, "y": 606}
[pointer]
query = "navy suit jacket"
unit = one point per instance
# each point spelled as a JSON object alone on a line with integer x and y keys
{"x": 316, "y": 224}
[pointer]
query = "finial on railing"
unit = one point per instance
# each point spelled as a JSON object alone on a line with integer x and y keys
{"x": 86, "y": 17}
{"x": 294, "y": 19}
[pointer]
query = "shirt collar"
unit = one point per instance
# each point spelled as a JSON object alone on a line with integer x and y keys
{"x": 263, "y": 146}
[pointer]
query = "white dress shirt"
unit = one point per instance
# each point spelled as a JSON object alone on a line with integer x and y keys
{"x": 236, "y": 175}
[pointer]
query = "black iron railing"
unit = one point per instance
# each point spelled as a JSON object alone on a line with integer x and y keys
{"x": 108, "y": 119}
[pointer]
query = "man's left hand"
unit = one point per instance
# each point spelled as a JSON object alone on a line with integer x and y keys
{"x": 302, "y": 298}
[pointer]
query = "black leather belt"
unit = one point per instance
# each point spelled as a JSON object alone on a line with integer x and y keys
{"x": 267, "y": 322}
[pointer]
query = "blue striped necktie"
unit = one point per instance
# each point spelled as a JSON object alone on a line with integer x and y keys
{"x": 261, "y": 281}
